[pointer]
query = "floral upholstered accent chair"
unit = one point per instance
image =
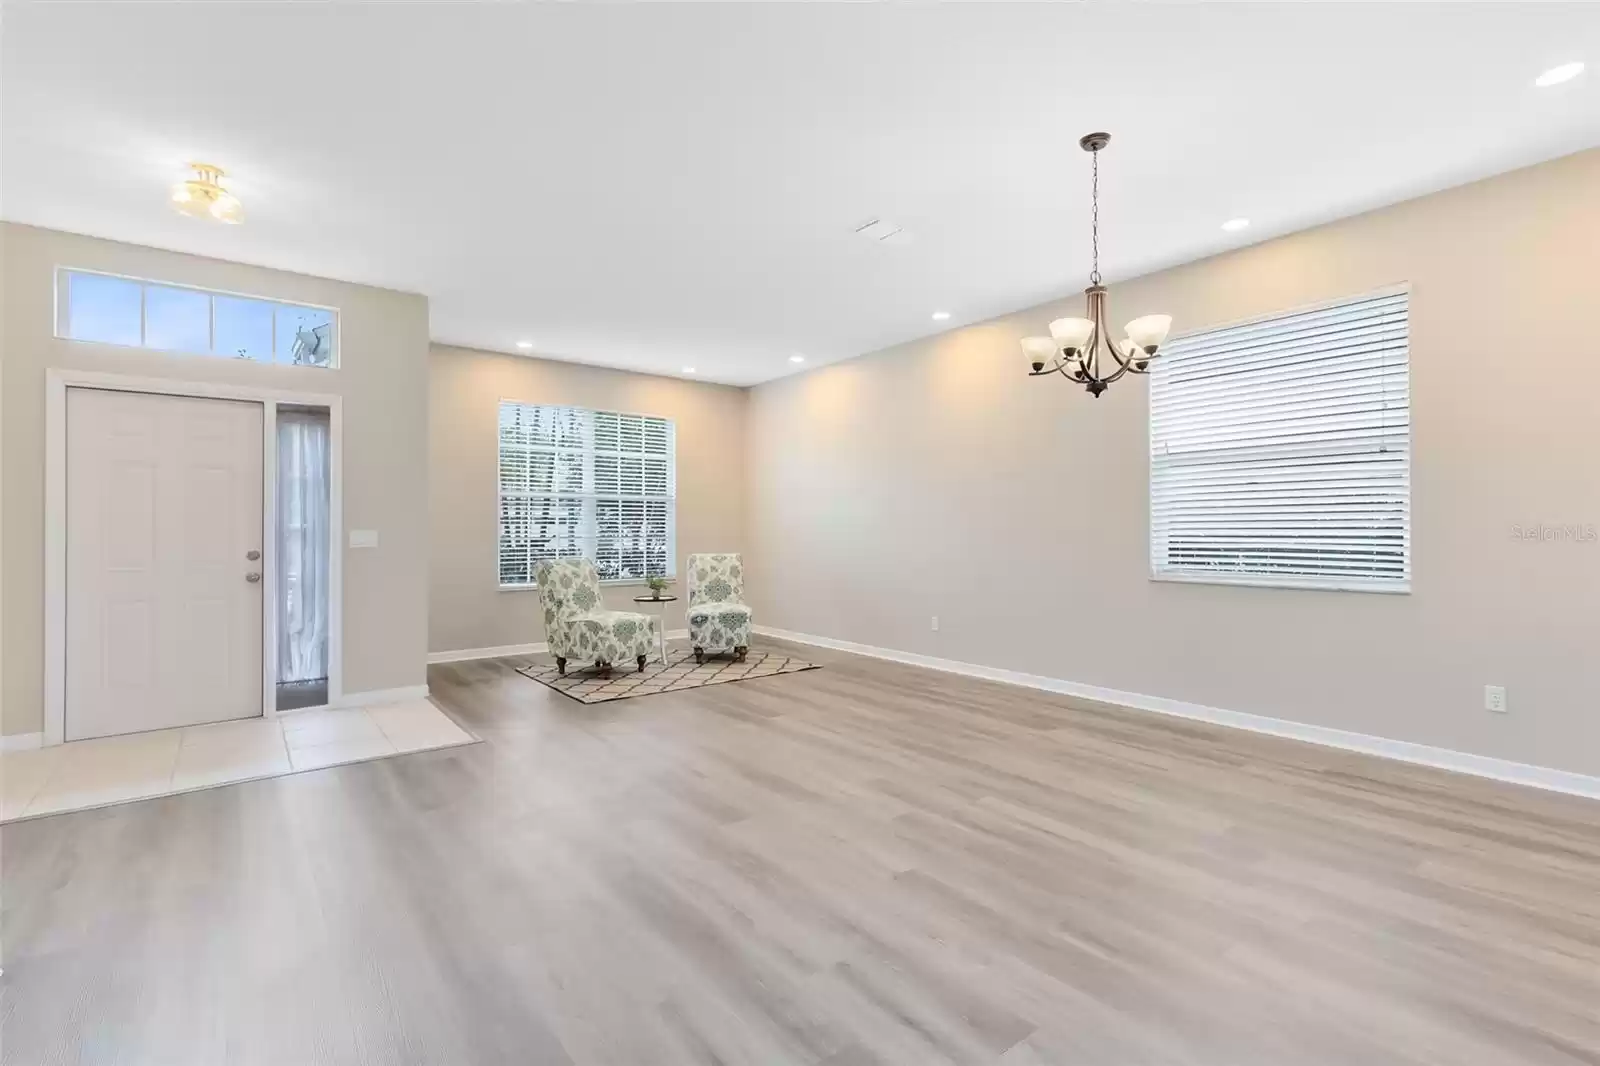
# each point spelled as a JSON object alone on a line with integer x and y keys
{"x": 718, "y": 621}
{"x": 577, "y": 625}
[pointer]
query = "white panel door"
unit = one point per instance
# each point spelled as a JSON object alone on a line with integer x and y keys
{"x": 163, "y": 511}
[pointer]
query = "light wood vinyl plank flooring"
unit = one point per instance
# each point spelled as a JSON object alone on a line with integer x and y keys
{"x": 865, "y": 864}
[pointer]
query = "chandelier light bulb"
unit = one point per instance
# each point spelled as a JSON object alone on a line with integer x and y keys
{"x": 1071, "y": 333}
{"x": 1148, "y": 332}
{"x": 1041, "y": 351}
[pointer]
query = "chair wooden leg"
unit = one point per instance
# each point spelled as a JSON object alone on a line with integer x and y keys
{"x": 641, "y": 664}
{"x": 739, "y": 653}
{"x": 561, "y": 666}
{"x": 605, "y": 669}
{"x": 699, "y": 656}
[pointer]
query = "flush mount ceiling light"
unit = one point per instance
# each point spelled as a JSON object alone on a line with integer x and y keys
{"x": 203, "y": 196}
{"x": 1557, "y": 75}
{"x": 1074, "y": 345}
{"x": 1234, "y": 225}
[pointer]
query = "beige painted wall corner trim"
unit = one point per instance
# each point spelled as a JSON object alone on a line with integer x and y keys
{"x": 464, "y": 655}
{"x": 1515, "y": 773}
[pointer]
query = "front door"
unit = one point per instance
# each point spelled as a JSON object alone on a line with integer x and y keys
{"x": 164, "y": 541}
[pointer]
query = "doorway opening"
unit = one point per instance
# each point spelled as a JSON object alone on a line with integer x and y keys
{"x": 304, "y": 556}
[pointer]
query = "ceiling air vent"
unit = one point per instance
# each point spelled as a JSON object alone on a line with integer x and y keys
{"x": 880, "y": 231}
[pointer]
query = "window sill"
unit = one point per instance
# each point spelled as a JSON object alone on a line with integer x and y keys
{"x": 1263, "y": 581}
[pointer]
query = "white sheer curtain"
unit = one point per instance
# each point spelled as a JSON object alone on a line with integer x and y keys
{"x": 302, "y": 546}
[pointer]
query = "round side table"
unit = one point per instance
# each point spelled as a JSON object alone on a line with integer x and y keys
{"x": 661, "y": 627}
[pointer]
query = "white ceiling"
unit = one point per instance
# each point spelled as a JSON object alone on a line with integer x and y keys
{"x": 662, "y": 186}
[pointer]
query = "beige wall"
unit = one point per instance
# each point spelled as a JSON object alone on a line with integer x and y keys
{"x": 468, "y": 608}
{"x": 934, "y": 478}
{"x": 382, "y": 378}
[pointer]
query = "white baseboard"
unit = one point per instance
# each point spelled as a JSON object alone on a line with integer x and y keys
{"x": 1516, "y": 773}
{"x": 373, "y": 697}
{"x": 507, "y": 650}
{"x": 463, "y": 655}
{"x": 21, "y": 742}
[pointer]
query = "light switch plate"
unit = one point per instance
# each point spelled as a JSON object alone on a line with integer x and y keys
{"x": 363, "y": 538}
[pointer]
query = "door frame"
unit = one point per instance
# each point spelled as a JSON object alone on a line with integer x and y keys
{"x": 57, "y": 382}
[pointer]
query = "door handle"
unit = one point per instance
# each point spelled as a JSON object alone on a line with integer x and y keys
{"x": 252, "y": 578}
{"x": 252, "y": 555}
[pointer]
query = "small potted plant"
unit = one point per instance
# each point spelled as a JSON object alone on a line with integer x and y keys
{"x": 657, "y": 584}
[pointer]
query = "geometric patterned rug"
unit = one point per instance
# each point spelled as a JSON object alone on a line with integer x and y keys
{"x": 676, "y": 674}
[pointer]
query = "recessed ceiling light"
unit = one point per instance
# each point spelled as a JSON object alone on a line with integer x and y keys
{"x": 688, "y": 370}
{"x": 525, "y": 345}
{"x": 1234, "y": 225}
{"x": 797, "y": 358}
{"x": 1557, "y": 75}
{"x": 940, "y": 316}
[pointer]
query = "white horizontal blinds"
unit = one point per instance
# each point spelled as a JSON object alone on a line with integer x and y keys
{"x": 541, "y": 487}
{"x": 635, "y": 484}
{"x": 580, "y": 483}
{"x": 1280, "y": 450}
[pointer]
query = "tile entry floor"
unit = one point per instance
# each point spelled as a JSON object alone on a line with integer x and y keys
{"x": 94, "y": 773}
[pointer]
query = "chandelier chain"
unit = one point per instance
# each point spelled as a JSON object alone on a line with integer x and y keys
{"x": 1094, "y": 274}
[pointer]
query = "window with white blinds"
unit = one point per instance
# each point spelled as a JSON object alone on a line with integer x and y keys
{"x": 591, "y": 484}
{"x": 1280, "y": 451}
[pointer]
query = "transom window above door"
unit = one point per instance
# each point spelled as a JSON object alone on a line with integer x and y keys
{"x": 597, "y": 485}
{"x": 135, "y": 313}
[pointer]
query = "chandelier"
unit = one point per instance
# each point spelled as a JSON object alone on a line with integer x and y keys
{"x": 203, "y": 196}
{"x": 1074, "y": 346}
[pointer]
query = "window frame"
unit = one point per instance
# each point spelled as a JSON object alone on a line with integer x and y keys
{"x": 62, "y": 312}
{"x": 590, "y": 452}
{"x": 1380, "y": 586}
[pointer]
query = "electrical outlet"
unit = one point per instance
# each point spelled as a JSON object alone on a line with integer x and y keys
{"x": 1494, "y": 698}
{"x": 933, "y": 623}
